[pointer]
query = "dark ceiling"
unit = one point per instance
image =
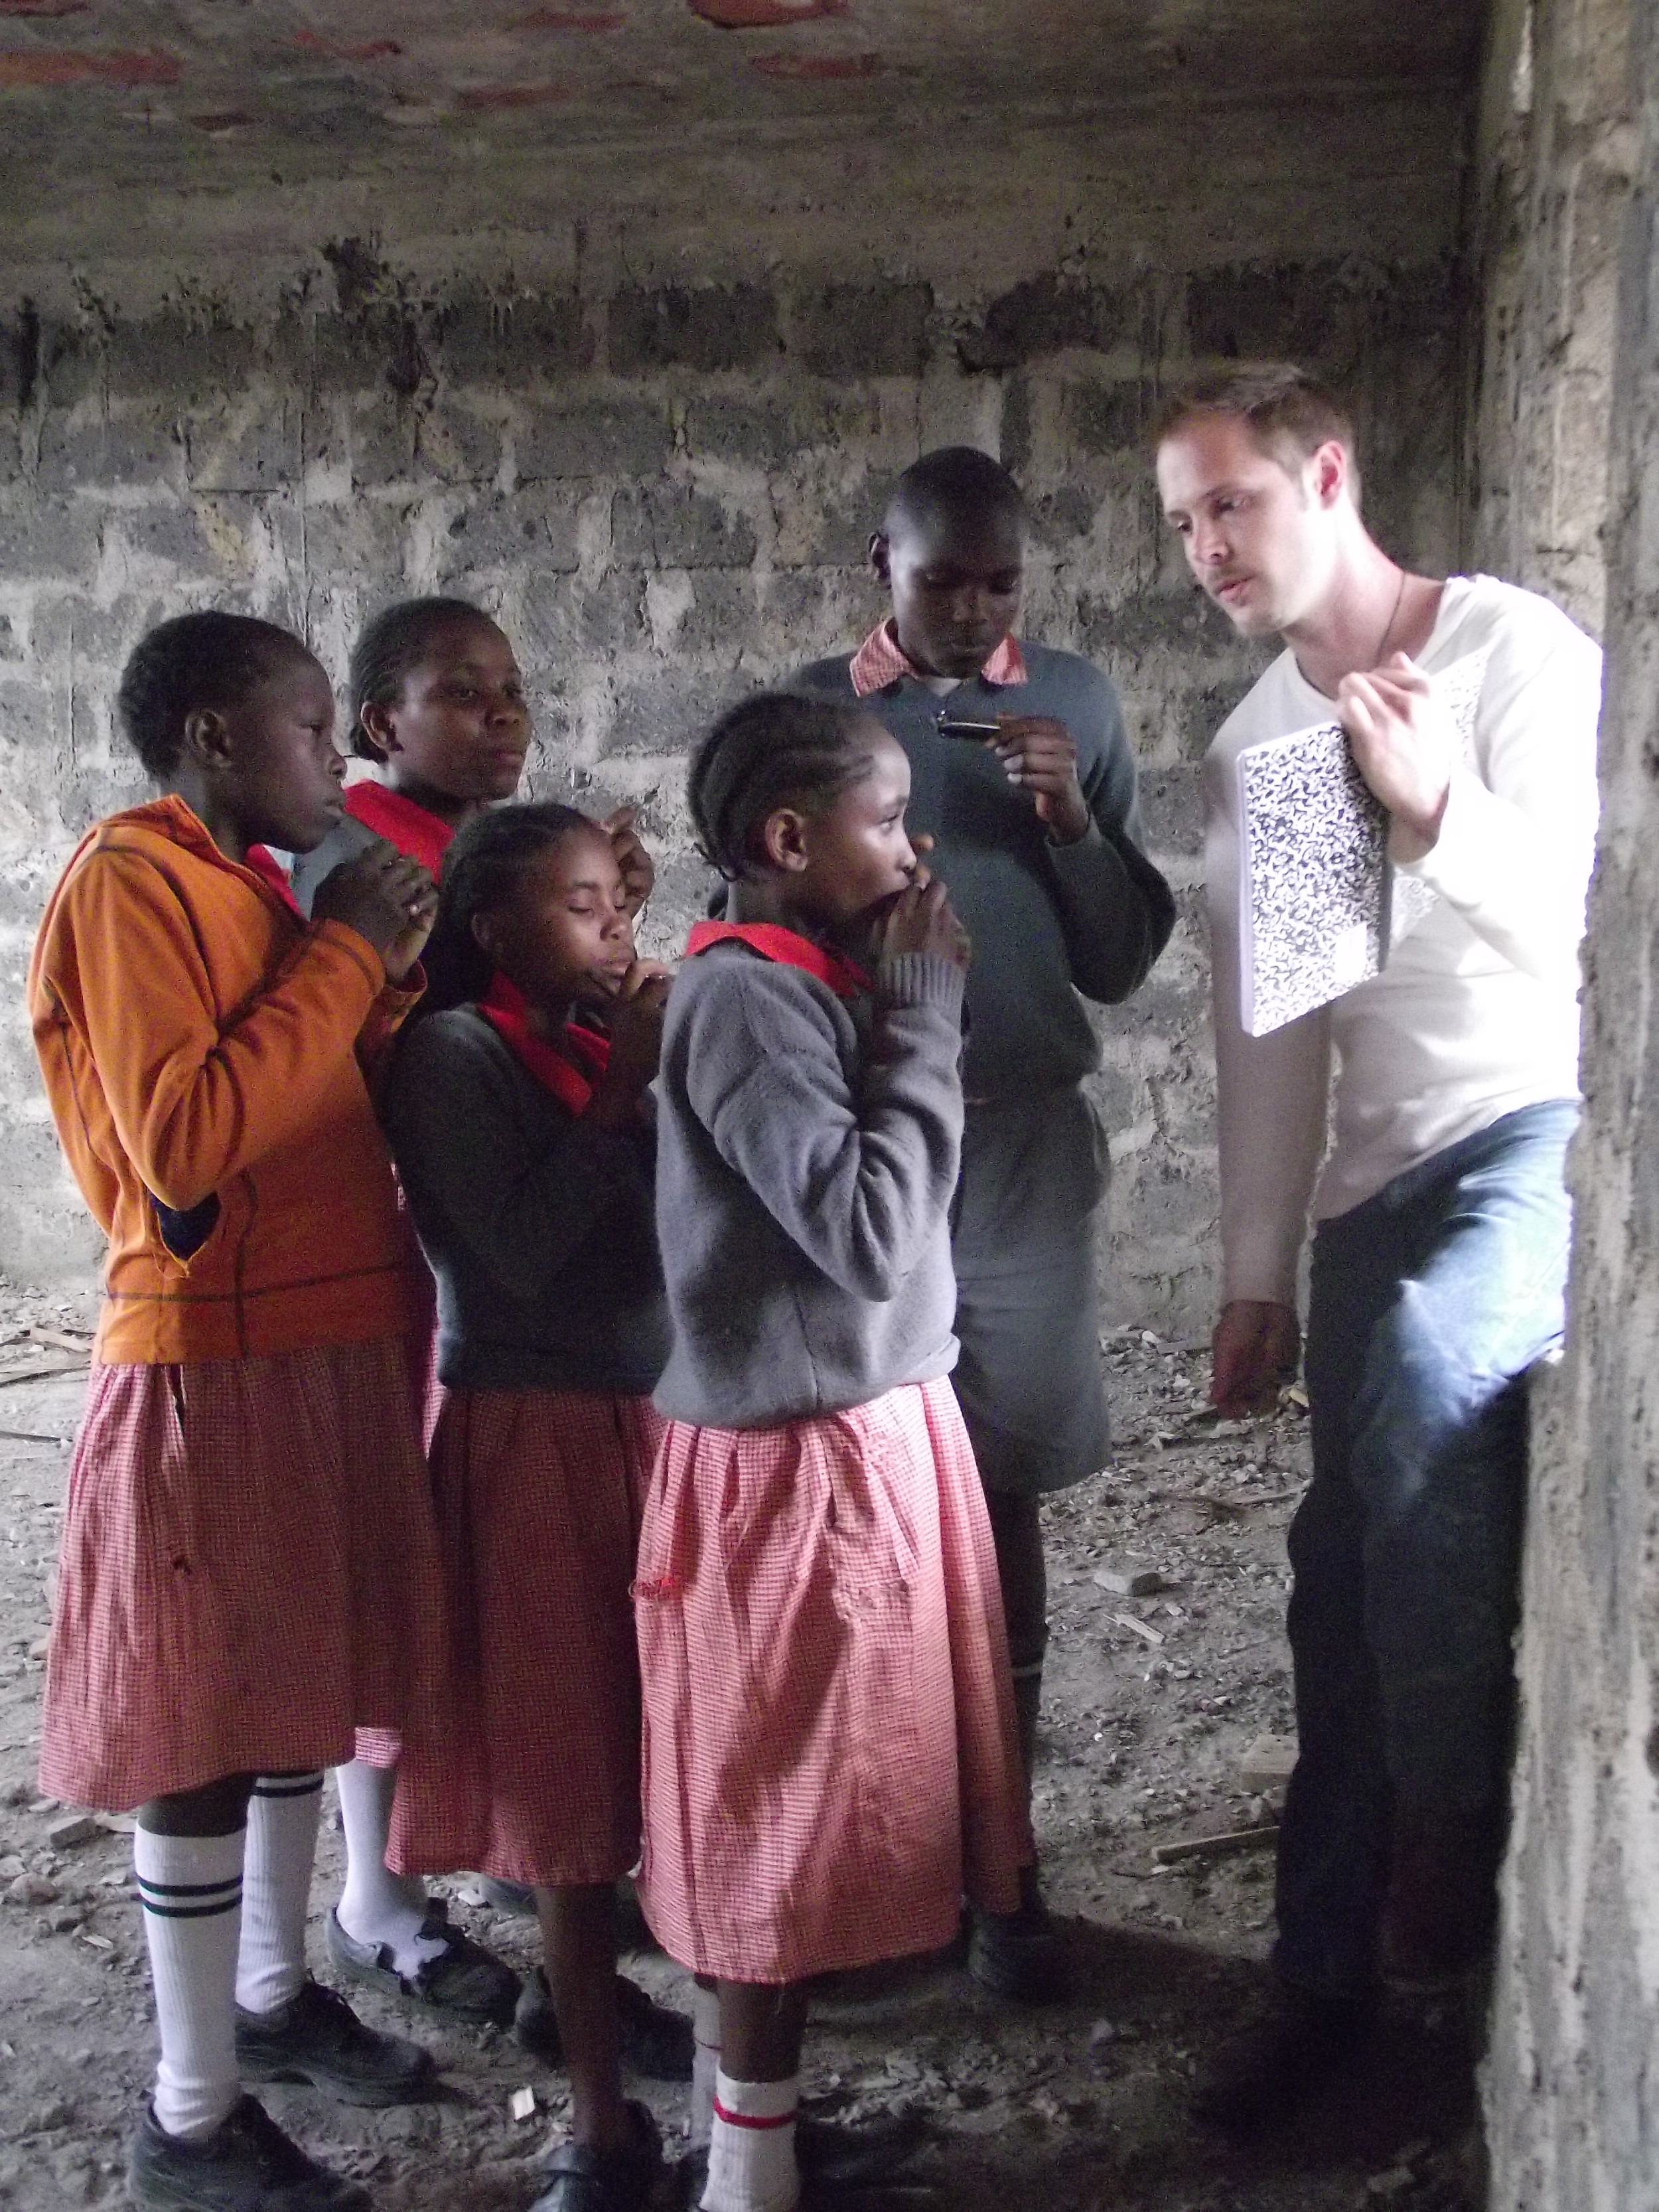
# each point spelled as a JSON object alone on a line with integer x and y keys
{"x": 200, "y": 94}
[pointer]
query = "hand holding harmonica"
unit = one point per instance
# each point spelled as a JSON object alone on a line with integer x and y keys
{"x": 1038, "y": 754}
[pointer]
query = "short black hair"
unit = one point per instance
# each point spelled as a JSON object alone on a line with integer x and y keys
{"x": 777, "y": 748}
{"x": 484, "y": 857}
{"x": 957, "y": 484}
{"x": 389, "y": 646}
{"x": 204, "y": 660}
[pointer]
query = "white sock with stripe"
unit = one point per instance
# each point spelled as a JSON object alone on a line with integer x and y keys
{"x": 705, "y": 2063}
{"x": 751, "y": 2149}
{"x": 376, "y": 1905}
{"x": 282, "y": 1844}
{"x": 190, "y": 1888}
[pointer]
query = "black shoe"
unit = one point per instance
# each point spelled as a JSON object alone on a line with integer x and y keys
{"x": 1440, "y": 1915}
{"x": 870, "y": 2196}
{"x": 464, "y": 1978}
{"x": 1019, "y": 1954}
{"x": 854, "y": 2153}
{"x": 655, "y": 2041}
{"x": 515, "y": 1898}
{"x": 246, "y": 2165}
{"x": 583, "y": 2181}
{"x": 317, "y": 2037}
{"x": 833, "y": 2156}
{"x": 1265, "y": 2075}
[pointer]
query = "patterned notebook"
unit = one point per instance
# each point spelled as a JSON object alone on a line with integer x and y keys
{"x": 1320, "y": 903}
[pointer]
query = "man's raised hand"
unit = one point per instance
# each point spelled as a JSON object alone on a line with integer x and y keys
{"x": 1405, "y": 746}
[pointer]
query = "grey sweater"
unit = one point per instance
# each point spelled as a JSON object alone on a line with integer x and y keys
{"x": 1048, "y": 920}
{"x": 540, "y": 1227}
{"x": 807, "y": 1151}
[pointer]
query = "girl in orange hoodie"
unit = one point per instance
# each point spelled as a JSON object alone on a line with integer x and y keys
{"x": 249, "y": 1565}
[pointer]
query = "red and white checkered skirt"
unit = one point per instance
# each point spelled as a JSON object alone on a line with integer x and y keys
{"x": 535, "y": 1775}
{"x": 384, "y": 1747}
{"x": 249, "y": 1567}
{"x": 831, "y": 1758}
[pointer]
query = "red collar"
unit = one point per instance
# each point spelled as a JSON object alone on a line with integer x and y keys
{"x": 881, "y": 661}
{"x": 263, "y": 863}
{"x": 417, "y": 833}
{"x": 505, "y": 1009}
{"x": 772, "y": 942}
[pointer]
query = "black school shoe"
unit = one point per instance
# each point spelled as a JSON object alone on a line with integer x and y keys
{"x": 246, "y": 2165}
{"x": 317, "y": 2037}
{"x": 515, "y": 1898}
{"x": 655, "y": 2042}
{"x": 463, "y": 1979}
{"x": 1018, "y": 1955}
{"x": 835, "y": 2157}
{"x": 583, "y": 2181}
{"x": 1265, "y": 2075}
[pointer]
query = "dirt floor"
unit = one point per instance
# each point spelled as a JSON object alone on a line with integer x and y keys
{"x": 1154, "y": 1698}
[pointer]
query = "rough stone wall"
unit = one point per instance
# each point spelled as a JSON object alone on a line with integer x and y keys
{"x": 1552, "y": 170}
{"x": 1573, "y": 2105}
{"x": 1571, "y": 2095}
{"x": 663, "y": 484}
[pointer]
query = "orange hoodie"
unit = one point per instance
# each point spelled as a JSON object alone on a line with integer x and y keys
{"x": 204, "y": 1055}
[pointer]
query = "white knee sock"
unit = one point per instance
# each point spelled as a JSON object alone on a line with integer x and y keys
{"x": 190, "y": 1888}
{"x": 376, "y": 1905}
{"x": 705, "y": 2061}
{"x": 751, "y": 2153}
{"x": 282, "y": 1844}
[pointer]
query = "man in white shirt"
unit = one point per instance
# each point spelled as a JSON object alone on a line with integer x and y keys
{"x": 1440, "y": 1243}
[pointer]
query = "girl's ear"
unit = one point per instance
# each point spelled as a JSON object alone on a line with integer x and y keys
{"x": 484, "y": 935}
{"x": 783, "y": 840}
{"x": 376, "y": 722}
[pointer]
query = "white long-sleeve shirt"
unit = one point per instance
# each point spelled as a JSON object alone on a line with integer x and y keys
{"x": 1475, "y": 1012}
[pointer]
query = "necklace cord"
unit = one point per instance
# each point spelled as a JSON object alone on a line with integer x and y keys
{"x": 1382, "y": 642}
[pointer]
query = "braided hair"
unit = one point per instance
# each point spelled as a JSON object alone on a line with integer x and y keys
{"x": 777, "y": 749}
{"x": 204, "y": 660}
{"x": 485, "y": 858}
{"x": 388, "y": 647}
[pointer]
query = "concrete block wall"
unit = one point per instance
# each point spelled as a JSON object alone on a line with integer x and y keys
{"x": 1570, "y": 494}
{"x": 1554, "y": 158}
{"x": 663, "y": 489}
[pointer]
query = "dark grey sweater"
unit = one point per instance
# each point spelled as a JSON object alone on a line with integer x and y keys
{"x": 540, "y": 1227}
{"x": 1048, "y": 920}
{"x": 807, "y": 1151}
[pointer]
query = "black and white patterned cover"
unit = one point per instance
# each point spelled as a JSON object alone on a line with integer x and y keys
{"x": 1320, "y": 903}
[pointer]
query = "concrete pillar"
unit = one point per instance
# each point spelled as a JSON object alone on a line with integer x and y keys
{"x": 1572, "y": 2086}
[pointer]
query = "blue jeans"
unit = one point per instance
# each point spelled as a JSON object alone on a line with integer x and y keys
{"x": 1429, "y": 1303}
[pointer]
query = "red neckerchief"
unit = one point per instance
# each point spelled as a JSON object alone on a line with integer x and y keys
{"x": 270, "y": 870}
{"x": 506, "y": 1009}
{"x": 773, "y": 942}
{"x": 418, "y": 834}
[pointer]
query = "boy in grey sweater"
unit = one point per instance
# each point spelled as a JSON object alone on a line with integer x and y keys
{"x": 1032, "y": 813}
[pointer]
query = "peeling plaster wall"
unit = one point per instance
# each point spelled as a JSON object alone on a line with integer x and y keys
{"x": 1572, "y": 2102}
{"x": 1554, "y": 151}
{"x": 653, "y": 439}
